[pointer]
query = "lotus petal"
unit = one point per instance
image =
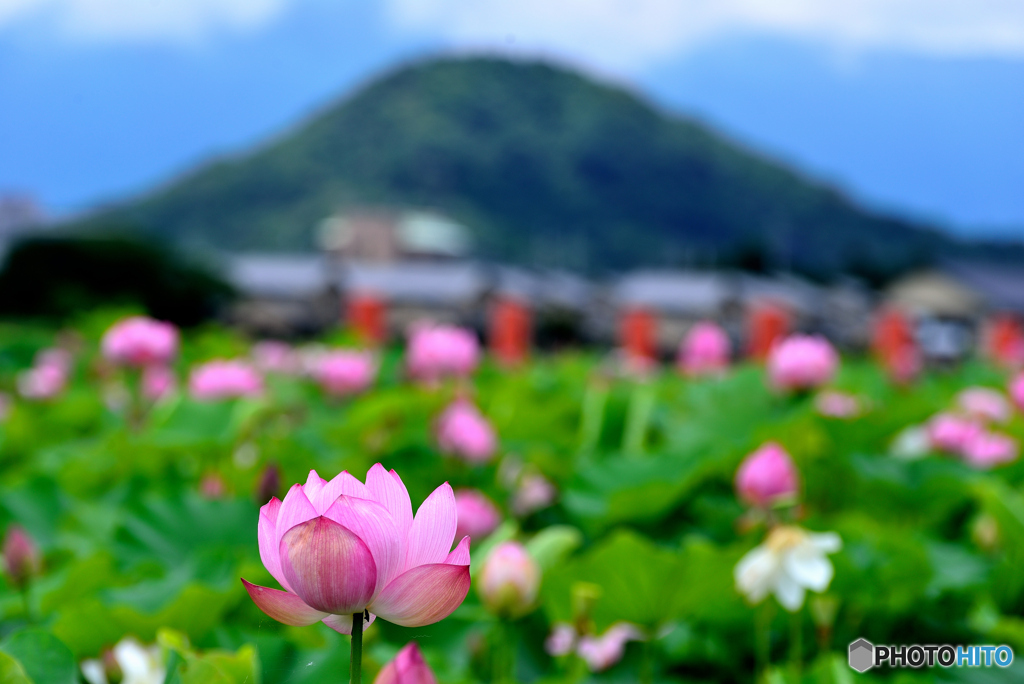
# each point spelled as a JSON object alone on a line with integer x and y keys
{"x": 295, "y": 509}
{"x": 389, "y": 490}
{"x": 283, "y": 606}
{"x": 433, "y": 529}
{"x": 328, "y": 566}
{"x": 423, "y": 595}
{"x": 460, "y": 554}
{"x": 269, "y": 543}
{"x": 343, "y": 483}
{"x": 372, "y": 523}
{"x": 342, "y": 624}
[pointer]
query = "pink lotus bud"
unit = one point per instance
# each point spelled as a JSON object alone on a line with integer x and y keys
{"x": 837, "y": 405}
{"x": 43, "y": 381}
{"x": 343, "y": 547}
{"x": 561, "y": 641}
{"x": 21, "y": 556}
{"x": 802, "y": 362}
{"x": 271, "y": 356}
{"x": 463, "y": 430}
{"x": 439, "y": 351}
{"x": 988, "y": 449}
{"x": 140, "y": 341}
{"x": 509, "y": 580}
{"x": 478, "y": 516}
{"x": 1017, "y": 390}
{"x": 343, "y": 372}
{"x": 408, "y": 667}
{"x": 602, "y": 652}
{"x": 157, "y": 382}
{"x": 951, "y": 433}
{"x": 984, "y": 404}
{"x": 533, "y": 493}
{"x": 225, "y": 380}
{"x": 767, "y": 477}
{"x": 705, "y": 350}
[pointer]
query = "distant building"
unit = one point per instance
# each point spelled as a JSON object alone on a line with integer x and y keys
{"x": 386, "y": 236}
{"x": 282, "y": 294}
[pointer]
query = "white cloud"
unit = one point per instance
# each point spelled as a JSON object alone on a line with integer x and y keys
{"x": 144, "y": 20}
{"x": 627, "y": 35}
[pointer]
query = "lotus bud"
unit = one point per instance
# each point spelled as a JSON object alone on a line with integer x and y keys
{"x": 269, "y": 484}
{"x": 408, "y": 667}
{"x": 478, "y": 516}
{"x": 705, "y": 350}
{"x": 509, "y": 580}
{"x": 463, "y": 430}
{"x": 439, "y": 351}
{"x": 157, "y": 382}
{"x": 802, "y": 362}
{"x": 140, "y": 341}
{"x": 225, "y": 380}
{"x": 602, "y": 652}
{"x": 767, "y": 477}
{"x": 21, "y": 556}
{"x": 344, "y": 372}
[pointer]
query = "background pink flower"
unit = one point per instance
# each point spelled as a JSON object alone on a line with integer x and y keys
{"x": 463, "y": 430}
{"x": 705, "y": 349}
{"x": 951, "y": 433}
{"x": 509, "y": 580}
{"x": 140, "y": 341}
{"x": 477, "y": 515}
{"x": 767, "y": 476}
{"x": 157, "y": 382}
{"x": 985, "y": 404}
{"x": 988, "y": 449}
{"x": 408, "y": 667}
{"x": 225, "y": 380}
{"x": 802, "y": 362}
{"x": 439, "y": 351}
{"x": 272, "y": 356}
{"x": 342, "y": 372}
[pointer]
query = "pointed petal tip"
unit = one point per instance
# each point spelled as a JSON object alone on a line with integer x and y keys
{"x": 282, "y": 606}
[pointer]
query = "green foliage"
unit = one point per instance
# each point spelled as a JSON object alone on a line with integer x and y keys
{"x": 650, "y": 532}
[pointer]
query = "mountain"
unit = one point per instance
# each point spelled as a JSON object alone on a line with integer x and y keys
{"x": 546, "y": 166}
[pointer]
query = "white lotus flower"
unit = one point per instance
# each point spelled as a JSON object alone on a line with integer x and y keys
{"x": 138, "y": 664}
{"x": 790, "y": 561}
{"x": 912, "y": 443}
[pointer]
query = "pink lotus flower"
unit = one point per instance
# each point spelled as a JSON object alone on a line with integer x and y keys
{"x": 984, "y": 404}
{"x": 767, "y": 477}
{"x": 341, "y": 547}
{"x": 225, "y": 380}
{"x": 802, "y": 362}
{"x": 463, "y": 430}
{"x": 343, "y": 372}
{"x": 533, "y": 493}
{"x": 837, "y": 405}
{"x": 561, "y": 641}
{"x": 988, "y": 449}
{"x": 140, "y": 341}
{"x": 509, "y": 580}
{"x": 271, "y": 356}
{"x": 439, "y": 351}
{"x": 602, "y": 652}
{"x": 157, "y": 382}
{"x": 951, "y": 433}
{"x": 21, "y": 556}
{"x": 48, "y": 377}
{"x": 705, "y": 350}
{"x": 408, "y": 667}
{"x": 1017, "y": 390}
{"x": 478, "y": 516}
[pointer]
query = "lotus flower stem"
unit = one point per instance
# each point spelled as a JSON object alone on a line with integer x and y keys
{"x": 594, "y": 401}
{"x": 796, "y": 643}
{"x": 356, "y": 662}
{"x": 762, "y": 639}
{"x": 641, "y": 404}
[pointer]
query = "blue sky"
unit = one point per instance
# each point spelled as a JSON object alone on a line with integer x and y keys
{"x": 912, "y": 106}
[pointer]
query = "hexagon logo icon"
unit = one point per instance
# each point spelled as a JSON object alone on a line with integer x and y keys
{"x": 862, "y": 655}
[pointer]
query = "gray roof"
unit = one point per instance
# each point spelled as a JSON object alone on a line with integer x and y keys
{"x": 278, "y": 275}
{"x": 416, "y": 282}
{"x": 798, "y": 294}
{"x": 692, "y": 293}
{"x": 1001, "y": 286}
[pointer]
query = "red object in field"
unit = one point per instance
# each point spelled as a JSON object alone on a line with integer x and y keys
{"x": 366, "y": 315}
{"x": 638, "y": 327}
{"x": 894, "y": 344}
{"x": 510, "y": 329}
{"x": 767, "y": 323}
{"x": 1003, "y": 340}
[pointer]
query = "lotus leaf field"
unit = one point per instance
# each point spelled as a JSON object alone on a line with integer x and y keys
{"x": 620, "y": 485}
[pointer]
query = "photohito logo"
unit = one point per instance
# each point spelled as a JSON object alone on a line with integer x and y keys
{"x": 864, "y": 655}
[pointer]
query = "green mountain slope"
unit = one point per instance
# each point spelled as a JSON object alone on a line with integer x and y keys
{"x": 546, "y": 166}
